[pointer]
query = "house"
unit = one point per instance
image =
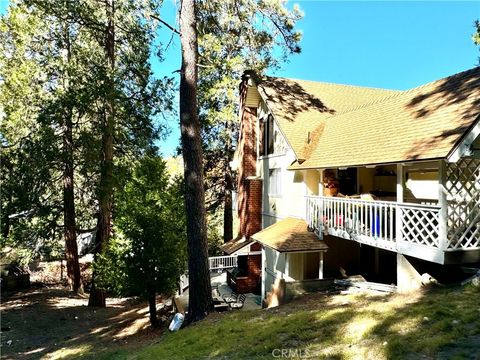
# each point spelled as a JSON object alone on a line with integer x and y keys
{"x": 338, "y": 180}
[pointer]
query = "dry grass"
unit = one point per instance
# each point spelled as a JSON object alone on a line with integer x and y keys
{"x": 54, "y": 272}
{"x": 440, "y": 323}
{"x": 52, "y": 323}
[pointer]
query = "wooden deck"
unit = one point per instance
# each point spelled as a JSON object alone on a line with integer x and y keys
{"x": 410, "y": 229}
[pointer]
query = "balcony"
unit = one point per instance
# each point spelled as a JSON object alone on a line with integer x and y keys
{"x": 411, "y": 229}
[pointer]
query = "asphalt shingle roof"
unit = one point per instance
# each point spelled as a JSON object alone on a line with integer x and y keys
{"x": 301, "y": 106}
{"x": 289, "y": 235}
{"x": 234, "y": 245}
{"x": 351, "y": 125}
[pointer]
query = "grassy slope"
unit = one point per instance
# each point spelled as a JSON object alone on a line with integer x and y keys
{"x": 441, "y": 323}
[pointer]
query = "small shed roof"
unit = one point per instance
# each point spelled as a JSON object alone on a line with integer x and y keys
{"x": 235, "y": 244}
{"x": 290, "y": 235}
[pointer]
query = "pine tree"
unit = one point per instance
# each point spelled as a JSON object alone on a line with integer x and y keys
{"x": 61, "y": 83}
{"x": 235, "y": 36}
{"x": 200, "y": 294}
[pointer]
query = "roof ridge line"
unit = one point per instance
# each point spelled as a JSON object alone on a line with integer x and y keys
{"x": 373, "y": 102}
{"x": 456, "y": 75}
{"x": 335, "y": 84}
{"x": 403, "y": 92}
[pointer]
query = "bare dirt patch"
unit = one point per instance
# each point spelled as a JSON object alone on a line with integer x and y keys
{"x": 51, "y": 323}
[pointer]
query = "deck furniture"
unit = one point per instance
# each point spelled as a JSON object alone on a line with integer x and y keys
{"x": 230, "y": 298}
{"x": 239, "y": 303}
{"x": 215, "y": 291}
{"x": 219, "y": 304}
{"x": 221, "y": 307}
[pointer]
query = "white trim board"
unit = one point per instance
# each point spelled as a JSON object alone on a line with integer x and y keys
{"x": 463, "y": 148}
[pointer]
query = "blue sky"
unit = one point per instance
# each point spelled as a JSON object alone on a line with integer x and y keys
{"x": 396, "y": 45}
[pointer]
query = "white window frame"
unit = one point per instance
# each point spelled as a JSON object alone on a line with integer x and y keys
{"x": 279, "y": 144}
{"x": 275, "y": 182}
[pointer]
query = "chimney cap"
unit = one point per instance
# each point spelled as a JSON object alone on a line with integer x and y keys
{"x": 247, "y": 74}
{"x": 250, "y": 74}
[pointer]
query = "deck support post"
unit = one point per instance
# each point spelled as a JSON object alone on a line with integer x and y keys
{"x": 264, "y": 265}
{"x": 408, "y": 278}
{"x": 398, "y": 214}
{"x": 320, "y": 265}
{"x": 442, "y": 202}
{"x": 287, "y": 265}
{"x": 377, "y": 261}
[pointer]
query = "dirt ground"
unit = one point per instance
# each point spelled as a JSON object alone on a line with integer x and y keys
{"x": 51, "y": 323}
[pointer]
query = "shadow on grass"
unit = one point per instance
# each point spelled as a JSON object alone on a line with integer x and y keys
{"x": 444, "y": 324}
{"x": 53, "y": 323}
{"x": 440, "y": 322}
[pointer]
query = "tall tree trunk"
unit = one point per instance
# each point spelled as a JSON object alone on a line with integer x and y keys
{"x": 105, "y": 192}
{"x": 200, "y": 293}
{"x": 227, "y": 206}
{"x": 8, "y": 201}
{"x": 69, "y": 217}
{"x": 70, "y": 234}
{"x": 227, "y": 211}
{"x": 152, "y": 308}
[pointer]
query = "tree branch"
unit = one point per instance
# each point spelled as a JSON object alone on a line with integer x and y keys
{"x": 166, "y": 24}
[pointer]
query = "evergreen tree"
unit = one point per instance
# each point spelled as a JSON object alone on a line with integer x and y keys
{"x": 58, "y": 88}
{"x": 476, "y": 34}
{"x": 235, "y": 36}
{"x": 151, "y": 215}
{"x": 42, "y": 42}
{"x": 200, "y": 294}
{"x": 229, "y": 33}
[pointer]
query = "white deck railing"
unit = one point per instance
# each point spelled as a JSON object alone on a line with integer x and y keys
{"x": 183, "y": 283}
{"x": 379, "y": 223}
{"x": 214, "y": 263}
{"x": 222, "y": 262}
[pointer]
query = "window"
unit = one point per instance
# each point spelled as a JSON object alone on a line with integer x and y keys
{"x": 261, "y": 138}
{"x": 270, "y": 138}
{"x": 275, "y": 182}
{"x": 267, "y": 136}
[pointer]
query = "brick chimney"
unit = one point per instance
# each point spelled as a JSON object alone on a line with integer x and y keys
{"x": 249, "y": 185}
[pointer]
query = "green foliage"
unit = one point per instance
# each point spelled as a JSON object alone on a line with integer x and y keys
{"x": 30, "y": 205}
{"x": 235, "y": 36}
{"x": 111, "y": 268}
{"x": 251, "y": 34}
{"x": 149, "y": 252}
{"x": 215, "y": 239}
{"x": 476, "y": 34}
{"x": 330, "y": 327}
{"x": 52, "y": 63}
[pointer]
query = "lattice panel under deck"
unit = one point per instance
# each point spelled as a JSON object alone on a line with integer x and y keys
{"x": 420, "y": 227}
{"x": 463, "y": 188}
